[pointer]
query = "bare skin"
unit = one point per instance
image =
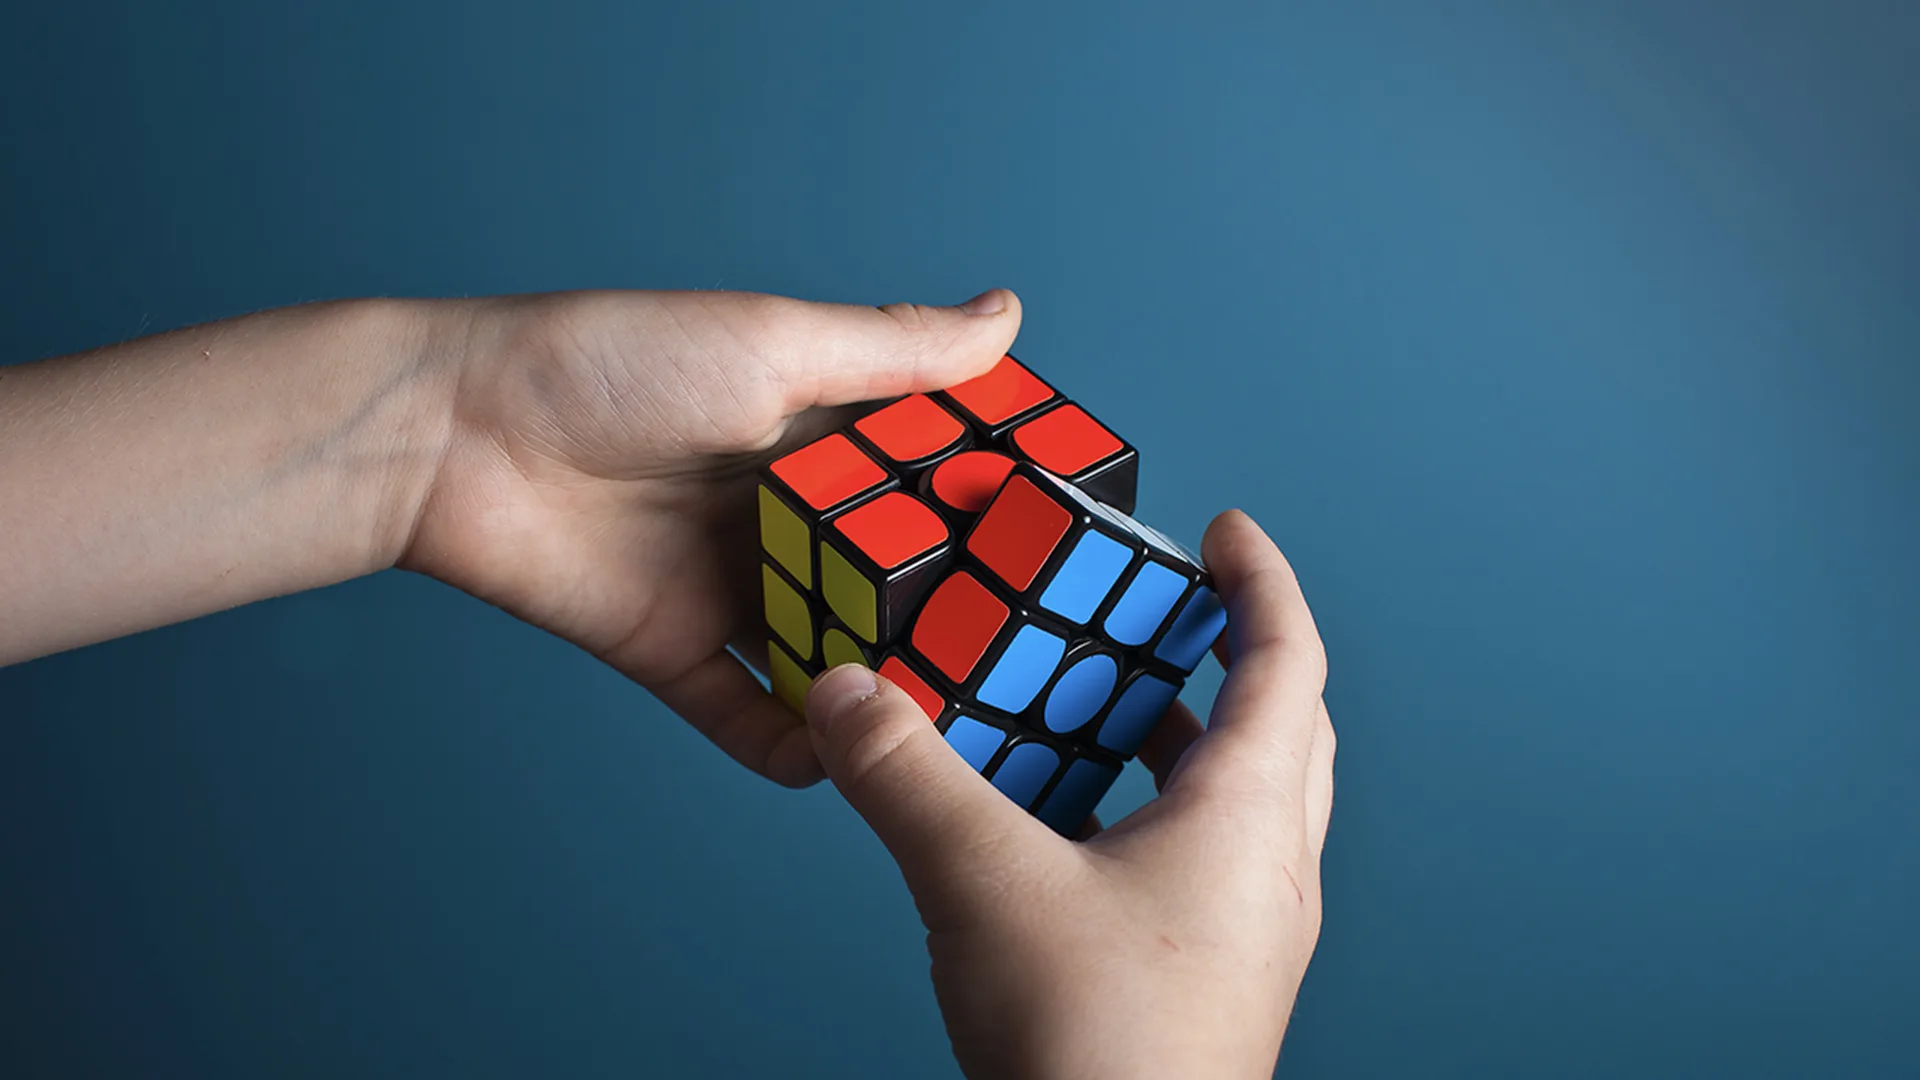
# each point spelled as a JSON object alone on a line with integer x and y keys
{"x": 585, "y": 461}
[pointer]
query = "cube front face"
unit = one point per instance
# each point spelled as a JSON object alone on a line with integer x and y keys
{"x": 974, "y": 546}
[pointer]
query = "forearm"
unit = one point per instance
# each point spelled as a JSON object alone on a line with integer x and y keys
{"x": 173, "y": 476}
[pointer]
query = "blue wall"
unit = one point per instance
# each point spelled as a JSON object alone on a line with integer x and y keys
{"x": 1570, "y": 350}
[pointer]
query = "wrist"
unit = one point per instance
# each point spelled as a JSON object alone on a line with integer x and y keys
{"x": 455, "y": 517}
{"x": 416, "y": 351}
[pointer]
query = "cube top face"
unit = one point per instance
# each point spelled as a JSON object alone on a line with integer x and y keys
{"x": 967, "y": 482}
{"x": 828, "y": 472}
{"x": 911, "y": 430}
{"x": 1065, "y": 440}
{"x": 893, "y": 529}
{"x": 1004, "y": 393}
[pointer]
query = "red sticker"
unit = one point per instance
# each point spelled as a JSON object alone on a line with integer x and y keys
{"x": 829, "y": 471}
{"x": 1065, "y": 440}
{"x": 1018, "y": 532}
{"x": 1001, "y": 394}
{"x": 957, "y": 624}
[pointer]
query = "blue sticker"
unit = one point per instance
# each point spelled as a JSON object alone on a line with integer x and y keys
{"x": 1079, "y": 693}
{"x": 1140, "y": 707}
{"x": 974, "y": 740}
{"x": 1086, "y": 577}
{"x": 1022, "y": 670}
{"x": 1148, "y": 598}
{"x": 1078, "y": 792}
{"x": 1193, "y": 632}
{"x": 1025, "y": 771}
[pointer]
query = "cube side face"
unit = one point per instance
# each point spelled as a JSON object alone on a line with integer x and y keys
{"x": 957, "y": 629}
{"x": 785, "y": 537}
{"x": 975, "y": 545}
{"x": 792, "y": 615}
{"x": 789, "y": 677}
{"x": 1081, "y": 785}
{"x": 1078, "y": 589}
{"x": 839, "y": 645}
{"x": 1081, "y": 689}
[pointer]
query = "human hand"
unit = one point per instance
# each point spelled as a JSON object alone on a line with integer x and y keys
{"x": 599, "y": 473}
{"x": 1171, "y": 944}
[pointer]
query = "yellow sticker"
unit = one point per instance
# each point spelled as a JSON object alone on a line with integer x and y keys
{"x": 838, "y": 647}
{"x": 787, "y": 612}
{"x": 784, "y": 535}
{"x": 789, "y": 679}
{"x": 851, "y": 596}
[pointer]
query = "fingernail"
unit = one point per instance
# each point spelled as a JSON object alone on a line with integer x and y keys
{"x": 991, "y": 302}
{"x": 837, "y": 692}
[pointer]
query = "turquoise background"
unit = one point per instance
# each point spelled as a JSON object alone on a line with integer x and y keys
{"x": 1569, "y": 349}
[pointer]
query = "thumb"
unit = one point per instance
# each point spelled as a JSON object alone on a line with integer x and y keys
{"x": 927, "y": 805}
{"x": 843, "y": 353}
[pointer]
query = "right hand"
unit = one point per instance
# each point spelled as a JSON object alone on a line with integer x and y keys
{"x": 1170, "y": 944}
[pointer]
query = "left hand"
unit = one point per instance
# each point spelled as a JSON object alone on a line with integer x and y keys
{"x": 598, "y": 477}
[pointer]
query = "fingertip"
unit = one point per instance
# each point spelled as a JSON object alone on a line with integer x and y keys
{"x": 992, "y": 302}
{"x": 1218, "y": 530}
{"x": 1232, "y": 544}
{"x": 844, "y": 354}
{"x": 1228, "y": 526}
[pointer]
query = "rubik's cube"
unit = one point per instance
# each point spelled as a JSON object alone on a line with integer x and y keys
{"x": 974, "y": 545}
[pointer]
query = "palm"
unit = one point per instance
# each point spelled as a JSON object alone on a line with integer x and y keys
{"x": 604, "y": 490}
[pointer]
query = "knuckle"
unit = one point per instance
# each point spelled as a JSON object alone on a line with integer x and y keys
{"x": 913, "y": 318}
{"x": 768, "y": 313}
{"x": 929, "y": 330}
